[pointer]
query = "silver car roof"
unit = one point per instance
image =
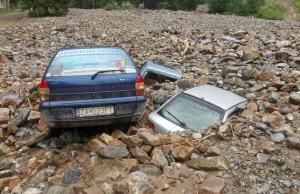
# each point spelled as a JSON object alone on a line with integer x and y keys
{"x": 217, "y": 96}
{"x": 161, "y": 69}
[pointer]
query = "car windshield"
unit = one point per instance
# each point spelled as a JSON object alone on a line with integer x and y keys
{"x": 191, "y": 112}
{"x": 87, "y": 61}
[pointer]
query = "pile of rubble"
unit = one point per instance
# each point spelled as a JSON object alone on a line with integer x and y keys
{"x": 255, "y": 151}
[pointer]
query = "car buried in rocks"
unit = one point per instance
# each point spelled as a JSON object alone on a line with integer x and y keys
{"x": 193, "y": 109}
{"x": 90, "y": 86}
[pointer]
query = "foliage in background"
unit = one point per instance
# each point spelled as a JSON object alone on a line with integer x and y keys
{"x": 256, "y": 8}
{"x": 273, "y": 11}
{"x": 46, "y": 7}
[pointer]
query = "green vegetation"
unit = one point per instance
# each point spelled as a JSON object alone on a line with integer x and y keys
{"x": 256, "y": 8}
{"x": 46, "y": 7}
{"x": 273, "y": 11}
{"x": 297, "y": 4}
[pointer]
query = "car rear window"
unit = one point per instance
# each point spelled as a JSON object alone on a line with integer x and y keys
{"x": 74, "y": 62}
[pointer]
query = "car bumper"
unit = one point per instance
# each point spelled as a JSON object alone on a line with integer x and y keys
{"x": 67, "y": 117}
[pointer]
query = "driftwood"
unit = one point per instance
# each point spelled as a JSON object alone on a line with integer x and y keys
{"x": 186, "y": 42}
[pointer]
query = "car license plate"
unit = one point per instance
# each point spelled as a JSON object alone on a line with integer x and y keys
{"x": 96, "y": 111}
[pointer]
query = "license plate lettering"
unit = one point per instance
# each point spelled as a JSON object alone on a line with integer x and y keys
{"x": 96, "y": 111}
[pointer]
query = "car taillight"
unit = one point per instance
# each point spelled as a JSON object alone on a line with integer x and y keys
{"x": 139, "y": 86}
{"x": 150, "y": 124}
{"x": 44, "y": 91}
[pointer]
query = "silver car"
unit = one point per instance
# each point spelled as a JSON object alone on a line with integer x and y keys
{"x": 194, "y": 109}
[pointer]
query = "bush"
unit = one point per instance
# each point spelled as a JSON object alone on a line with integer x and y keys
{"x": 46, "y": 7}
{"x": 218, "y": 6}
{"x": 127, "y": 5}
{"x": 274, "y": 11}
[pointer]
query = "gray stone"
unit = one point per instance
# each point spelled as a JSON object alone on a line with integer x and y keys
{"x": 4, "y": 163}
{"x": 293, "y": 142}
{"x": 33, "y": 191}
{"x": 278, "y": 160}
{"x": 107, "y": 188}
{"x": 24, "y": 133}
{"x": 277, "y": 137}
{"x": 71, "y": 176}
{"x": 213, "y": 151}
{"x": 158, "y": 158}
{"x": 261, "y": 126}
{"x": 12, "y": 95}
{"x": 71, "y": 137}
{"x": 17, "y": 189}
{"x": 139, "y": 154}
{"x": 34, "y": 139}
{"x": 57, "y": 189}
{"x": 210, "y": 163}
{"x": 273, "y": 97}
{"x": 140, "y": 183}
{"x": 43, "y": 144}
{"x": 249, "y": 74}
{"x": 113, "y": 151}
{"x": 262, "y": 158}
{"x": 160, "y": 98}
{"x": 150, "y": 170}
{"x": 4, "y": 149}
{"x": 56, "y": 143}
{"x": 185, "y": 83}
{"x": 168, "y": 86}
{"x": 213, "y": 185}
{"x": 132, "y": 141}
{"x": 295, "y": 98}
{"x": 22, "y": 116}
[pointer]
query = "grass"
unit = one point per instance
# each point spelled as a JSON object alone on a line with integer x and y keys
{"x": 272, "y": 11}
{"x": 8, "y": 21}
{"x": 296, "y": 3}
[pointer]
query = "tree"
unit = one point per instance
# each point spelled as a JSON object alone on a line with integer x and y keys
{"x": 46, "y": 7}
{"x": 218, "y": 6}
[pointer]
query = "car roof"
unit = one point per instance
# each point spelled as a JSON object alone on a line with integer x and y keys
{"x": 216, "y": 96}
{"x": 162, "y": 69}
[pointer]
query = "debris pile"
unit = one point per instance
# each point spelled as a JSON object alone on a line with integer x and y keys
{"x": 255, "y": 151}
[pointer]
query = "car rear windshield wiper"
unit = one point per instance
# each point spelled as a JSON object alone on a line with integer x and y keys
{"x": 104, "y": 71}
{"x": 183, "y": 124}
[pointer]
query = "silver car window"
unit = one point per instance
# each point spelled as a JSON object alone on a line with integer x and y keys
{"x": 195, "y": 113}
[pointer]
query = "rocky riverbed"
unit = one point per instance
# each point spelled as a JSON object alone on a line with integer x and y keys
{"x": 255, "y": 151}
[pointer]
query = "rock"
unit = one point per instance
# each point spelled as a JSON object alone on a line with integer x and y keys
{"x": 139, "y": 154}
{"x": 4, "y": 149}
{"x": 150, "y": 139}
{"x": 56, "y": 189}
{"x": 182, "y": 152}
{"x": 71, "y": 137}
{"x": 41, "y": 176}
{"x": 210, "y": 163}
{"x": 33, "y": 191}
{"x": 22, "y": 116}
{"x": 160, "y": 98}
{"x": 158, "y": 158}
{"x": 213, "y": 151}
{"x": 288, "y": 87}
{"x": 150, "y": 170}
{"x": 168, "y": 86}
{"x": 249, "y": 73}
{"x": 109, "y": 140}
{"x": 56, "y": 143}
{"x": 24, "y": 133}
{"x": 56, "y": 180}
{"x": 212, "y": 185}
{"x": 34, "y": 116}
{"x": 34, "y": 139}
{"x": 200, "y": 176}
{"x": 293, "y": 143}
{"x": 185, "y": 83}
{"x": 261, "y": 126}
{"x": 229, "y": 69}
{"x": 132, "y": 141}
{"x": 71, "y": 176}
{"x": 140, "y": 183}
{"x": 95, "y": 145}
{"x": 262, "y": 158}
{"x": 17, "y": 190}
{"x": 107, "y": 189}
{"x": 4, "y": 163}
{"x": 273, "y": 97}
{"x": 12, "y": 95}
{"x": 277, "y": 137}
{"x": 113, "y": 151}
{"x": 4, "y": 115}
{"x": 295, "y": 98}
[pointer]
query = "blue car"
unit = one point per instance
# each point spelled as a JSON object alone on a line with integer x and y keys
{"x": 91, "y": 86}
